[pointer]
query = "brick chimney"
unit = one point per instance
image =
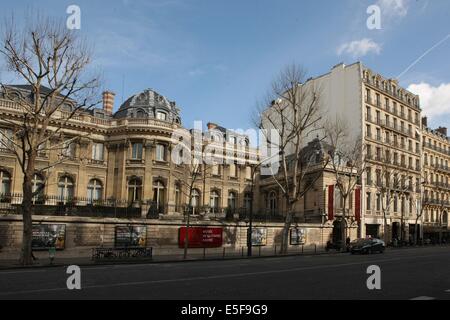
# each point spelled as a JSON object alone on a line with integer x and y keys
{"x": 442, "y": 130}
{"x": 424, "y": 122}
{"x": 108, "y": 101}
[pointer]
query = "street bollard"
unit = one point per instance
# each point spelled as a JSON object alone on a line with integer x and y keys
{"x": 275, "y": 252}
{"x": 51, "y": 254}
{"x": 303, "y": 246}
{"x": 260, "y": 251}
{"x": 223, "y": 254}
{"x": 204, "y": 253}
{"x": 315, "y": 248}
{"x": 242, "y": 251}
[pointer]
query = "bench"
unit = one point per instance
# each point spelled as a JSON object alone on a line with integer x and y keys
{"x": 122, "y": 254}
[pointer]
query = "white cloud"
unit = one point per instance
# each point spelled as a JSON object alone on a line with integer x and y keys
{"x": 393, "y": 8}
{"x": 359, "y": 48}
{"x": 435, "y": 101}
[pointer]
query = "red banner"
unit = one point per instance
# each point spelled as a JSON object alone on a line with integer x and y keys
{"x": 330, "y": 203}
{"x": 201, "y": 237}
{"x": 358, "y": 204}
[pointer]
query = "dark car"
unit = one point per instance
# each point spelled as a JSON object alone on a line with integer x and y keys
{"x": 364, "y": 246}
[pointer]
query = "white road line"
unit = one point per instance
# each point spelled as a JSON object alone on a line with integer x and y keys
{"x": 448, "y": 291}
{"x": 222, "y": 276}
{"x": 22, "y": 271}
{"x": 424, "y": 298}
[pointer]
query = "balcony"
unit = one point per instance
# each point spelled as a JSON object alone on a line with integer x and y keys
{"x": 436, "y": 148}
{"x": 47, "y": 205}
{"x": 440, "y": 167}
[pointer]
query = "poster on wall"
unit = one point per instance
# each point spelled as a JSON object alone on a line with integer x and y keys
{"x": 130, "y": 236}
{"x": 201, "y": 237}
{"x": 259, "y": 237}
{"x": 298, "y": 236}
{"x": 46, "y": 236}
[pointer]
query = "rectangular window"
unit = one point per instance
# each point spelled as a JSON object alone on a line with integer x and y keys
{"x": 69, "y": 149}
{"x": 368, "y": 200}
{"x": 248, "y": 173}
{"x": 161, "y": 116}
{"x": 160, "y": 152}
{"x": 136, "y": 153}
{"x": 233, "y": 171}
{"x": 97, "y": 151}
{"x": 5, "y": 138}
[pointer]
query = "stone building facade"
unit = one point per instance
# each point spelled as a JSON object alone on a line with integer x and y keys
{"x": 436, "y": 184}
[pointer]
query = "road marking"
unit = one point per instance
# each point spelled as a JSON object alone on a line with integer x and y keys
{"x": 448, "y": 291}
{"x": 22, "y": 271}
{"x": 424, "y": 298}
{"x": 214, "y": 277}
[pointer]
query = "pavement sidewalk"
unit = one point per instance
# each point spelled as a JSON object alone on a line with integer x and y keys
{"x": 8, "y": 264}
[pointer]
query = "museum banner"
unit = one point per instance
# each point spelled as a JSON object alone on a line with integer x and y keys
{"x": 201, "y": 237}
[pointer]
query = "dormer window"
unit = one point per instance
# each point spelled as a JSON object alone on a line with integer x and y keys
{"x": 161, "y": 115}
{"x": 140, "y": 114}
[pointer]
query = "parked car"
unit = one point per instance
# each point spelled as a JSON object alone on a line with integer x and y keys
{"x": 365, "y": 246}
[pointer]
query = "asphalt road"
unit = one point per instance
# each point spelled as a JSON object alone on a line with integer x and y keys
{"x": 419, "y": 273}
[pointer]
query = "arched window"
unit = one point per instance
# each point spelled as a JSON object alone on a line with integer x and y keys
{"x": 272, "y": 202}
{"x": 214, "y": 200}
{"x": 140, "y": 114}
{"x": 65, "y": 188}
{"x": 232, "y": 200}
{"x": 95, "y": 190}
{"x": 158, "y": 195}
{"x": 134, "y": 190}
{"x": 5, "y": 179}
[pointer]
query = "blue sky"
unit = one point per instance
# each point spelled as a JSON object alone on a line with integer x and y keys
{"x": 216, "y": 58}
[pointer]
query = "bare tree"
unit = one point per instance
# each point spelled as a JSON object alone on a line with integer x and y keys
{"x": 348, "y": 163}
{"x": 52, "y": 61}
{"x": 294, "y": 112}
{"x": 188, "y": 154}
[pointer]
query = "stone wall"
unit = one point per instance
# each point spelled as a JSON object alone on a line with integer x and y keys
{"x": 83, "y": 234}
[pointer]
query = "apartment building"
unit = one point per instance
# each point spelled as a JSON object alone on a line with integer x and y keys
{"x": 387, "y": 118}
{"x": 436, "y": 184}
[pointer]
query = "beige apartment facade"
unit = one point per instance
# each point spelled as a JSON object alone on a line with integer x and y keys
{"x": 436, "y": 184}
{"x": 387, "y": 119}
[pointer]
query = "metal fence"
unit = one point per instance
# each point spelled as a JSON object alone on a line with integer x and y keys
{"x": 49, "y": 205}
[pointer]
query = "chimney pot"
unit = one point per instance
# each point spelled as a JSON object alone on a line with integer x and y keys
{"x": 108, "y": 101}
{"x": 442, "y": 130}
{"x": 424, "y": 121}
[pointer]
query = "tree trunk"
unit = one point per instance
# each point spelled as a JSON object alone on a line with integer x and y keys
{"x": 416, "y": 231}
{"x": 344, "y": 228}
{"x": 286, "y": 228}
{"x": 27, "y": 235}
{"x": 188, "y": 222}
